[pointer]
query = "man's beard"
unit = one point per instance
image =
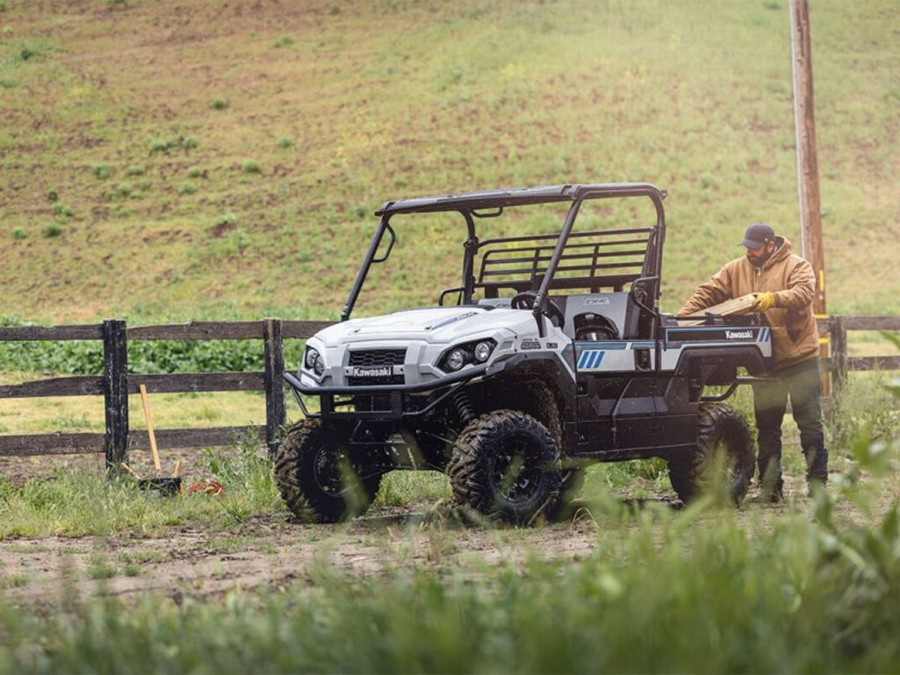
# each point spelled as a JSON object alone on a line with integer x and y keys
{"x": 761, "y": 260}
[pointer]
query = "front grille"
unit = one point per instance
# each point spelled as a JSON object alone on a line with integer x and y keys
{"x": 378, "y": 357}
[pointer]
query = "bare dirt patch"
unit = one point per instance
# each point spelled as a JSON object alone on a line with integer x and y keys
{"x": 271, "y": 552}
{"x": 266, "y": 553}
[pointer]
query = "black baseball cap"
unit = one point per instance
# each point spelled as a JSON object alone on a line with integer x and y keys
{"x": 758, "y": 234}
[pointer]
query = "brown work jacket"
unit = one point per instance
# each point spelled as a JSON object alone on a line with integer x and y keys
{"x": 795, "y": 337}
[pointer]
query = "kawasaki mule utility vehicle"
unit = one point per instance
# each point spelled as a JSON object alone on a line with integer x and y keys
{"x": 548, "y": 354}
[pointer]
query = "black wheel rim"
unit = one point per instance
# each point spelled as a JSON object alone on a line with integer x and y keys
{"x": 515, "y": 475}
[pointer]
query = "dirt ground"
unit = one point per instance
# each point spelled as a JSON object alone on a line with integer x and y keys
{"x": 191, "y": 563}
{"x": 264, "y": 552}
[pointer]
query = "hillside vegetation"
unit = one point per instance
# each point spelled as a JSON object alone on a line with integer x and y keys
{"x": 187, "y": 159}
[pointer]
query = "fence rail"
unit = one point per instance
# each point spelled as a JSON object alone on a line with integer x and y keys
{"x": 117, "y": 383}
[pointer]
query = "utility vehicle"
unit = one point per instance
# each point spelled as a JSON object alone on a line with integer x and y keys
{"x": 550, "y": 353}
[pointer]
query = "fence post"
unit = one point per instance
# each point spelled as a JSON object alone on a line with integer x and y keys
{"x": 115, "y": 391}
{"x": 274, "y": 382}
{"x": 838, "y": 354}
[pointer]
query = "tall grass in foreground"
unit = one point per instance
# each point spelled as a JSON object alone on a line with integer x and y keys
{"x": 700, "y": 590}
{"x": 700, "y": 594}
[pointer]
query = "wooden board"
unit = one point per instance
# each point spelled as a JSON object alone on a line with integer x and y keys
{"x": 740, "y": 305}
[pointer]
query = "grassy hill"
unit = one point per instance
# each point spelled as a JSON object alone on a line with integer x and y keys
{"x": 167, "y": 160}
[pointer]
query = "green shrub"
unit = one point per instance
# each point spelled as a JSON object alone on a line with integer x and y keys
{"x": 18, "y": 233}
{"x": 285, "y": 143}
{"x": 225, "y": 219}
{"x": 164, "y": 145}
{"x": 159, "y": 145}
{"x": 194, "y": 172}
{"x": 52, "y": 230}
{"x": 52, "y": 196}
{"x": 62, "y": 210}
{"x": 251, "y": 166}
{"x": 101, "y": 171}
{"x": 187, "y": 188}
{"x": 135, "y": 170}
{"x": 286, "y": 41}
{"x": 219, "y": 104}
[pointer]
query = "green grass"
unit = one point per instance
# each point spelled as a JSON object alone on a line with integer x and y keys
{"x": 404, "y": 99}
{"x": 42, "y": 508}
{"x": 663, "y": 592}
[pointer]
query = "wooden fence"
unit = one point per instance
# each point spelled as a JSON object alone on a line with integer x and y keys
{"x": 117, "y": 383}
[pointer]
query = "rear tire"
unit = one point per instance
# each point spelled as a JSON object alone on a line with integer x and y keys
{"x": 319, "y": 477}
{"x": 506, "y": 466}
{"x": 723, "y": 460}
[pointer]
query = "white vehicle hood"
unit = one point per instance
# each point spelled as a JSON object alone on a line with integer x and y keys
{"x": 434, "y": 324}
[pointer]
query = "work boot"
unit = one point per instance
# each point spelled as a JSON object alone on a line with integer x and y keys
{"x": 771, "y": 491}
{"x": 772, "y": 496}
{"x": 815, "y": 486}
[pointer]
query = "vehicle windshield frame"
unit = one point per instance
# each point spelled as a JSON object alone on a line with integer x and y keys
{"x": 491, "y": 203}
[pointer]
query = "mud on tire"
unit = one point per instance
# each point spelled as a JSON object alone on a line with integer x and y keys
{"x": 506, "y": 466}
{"x": 723, "y": 460}
{"x": 319, "y": 477}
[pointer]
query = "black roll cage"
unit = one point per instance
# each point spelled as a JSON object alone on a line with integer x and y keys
{"x": 491, "y": 203}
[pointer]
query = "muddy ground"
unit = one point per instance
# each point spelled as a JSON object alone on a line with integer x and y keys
{"x": 271, "y": 552}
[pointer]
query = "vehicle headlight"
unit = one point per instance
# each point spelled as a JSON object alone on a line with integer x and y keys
{"x": 314, "y": 361}
{"x": 483, "y": 351}
{"x": 471, "y": 353}
{"x": 456, "y": 359}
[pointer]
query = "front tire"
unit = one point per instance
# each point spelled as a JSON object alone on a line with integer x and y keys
{"x": 723, "y": 460}
{"x": 319, "y": 477}
{"x": 506, "y": 466}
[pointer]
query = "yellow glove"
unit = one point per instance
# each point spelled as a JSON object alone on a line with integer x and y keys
{"x": 763, "y": 301}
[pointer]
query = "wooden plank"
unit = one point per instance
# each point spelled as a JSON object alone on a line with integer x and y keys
{"x": 740, "y": 305}
{"x": 274, "y": 383}
{"x": 873, "y": 363}
{"x": 78, "y": 385}
{"x": 303, "y": 329}
{"x": 166, "y": 383}
{"x": 174, "y": 383}
{"x": 871, "y": 322}
{"x": 196, "y": 438}
{"x": 50, "y": 444}
{"x": 39, "y": 333}
{"x": 199, "y": 330}
{"x": 115, "y": 391}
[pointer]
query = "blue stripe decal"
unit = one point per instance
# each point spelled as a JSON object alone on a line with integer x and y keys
{"x": 590, "y": 358}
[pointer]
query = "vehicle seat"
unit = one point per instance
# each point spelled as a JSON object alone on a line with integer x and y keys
{"x": 594, "y": 328}
{"x": 600, "y": 313}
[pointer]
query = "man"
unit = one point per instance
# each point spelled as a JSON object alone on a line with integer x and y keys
{"x": 783, "y": 285}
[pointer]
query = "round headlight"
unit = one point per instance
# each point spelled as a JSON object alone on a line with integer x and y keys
{"x": 483, "y": 351}
{"x": 456, "y": 359}
{"x": 314, "y": 361}
{"x": 311, "y": 356}
{"x": 319, "y": 365}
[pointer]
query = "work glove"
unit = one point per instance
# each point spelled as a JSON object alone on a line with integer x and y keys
{"x": 763, "y": 301}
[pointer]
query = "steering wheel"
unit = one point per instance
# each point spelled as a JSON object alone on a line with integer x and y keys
{"x": 525, "y": 300}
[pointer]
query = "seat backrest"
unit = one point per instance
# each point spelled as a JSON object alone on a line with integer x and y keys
{"x": 598, "y": 313}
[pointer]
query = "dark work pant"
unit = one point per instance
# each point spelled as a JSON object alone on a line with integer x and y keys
{"x": 801, "y": 384}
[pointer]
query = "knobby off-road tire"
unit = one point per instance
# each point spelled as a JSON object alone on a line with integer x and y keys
{"x": 723, "y": 460}
{"x": 506, "y": 466}
{"x": 318, "y": 476}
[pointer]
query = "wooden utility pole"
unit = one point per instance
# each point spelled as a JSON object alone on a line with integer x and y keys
{"x": 807, "y": 162}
